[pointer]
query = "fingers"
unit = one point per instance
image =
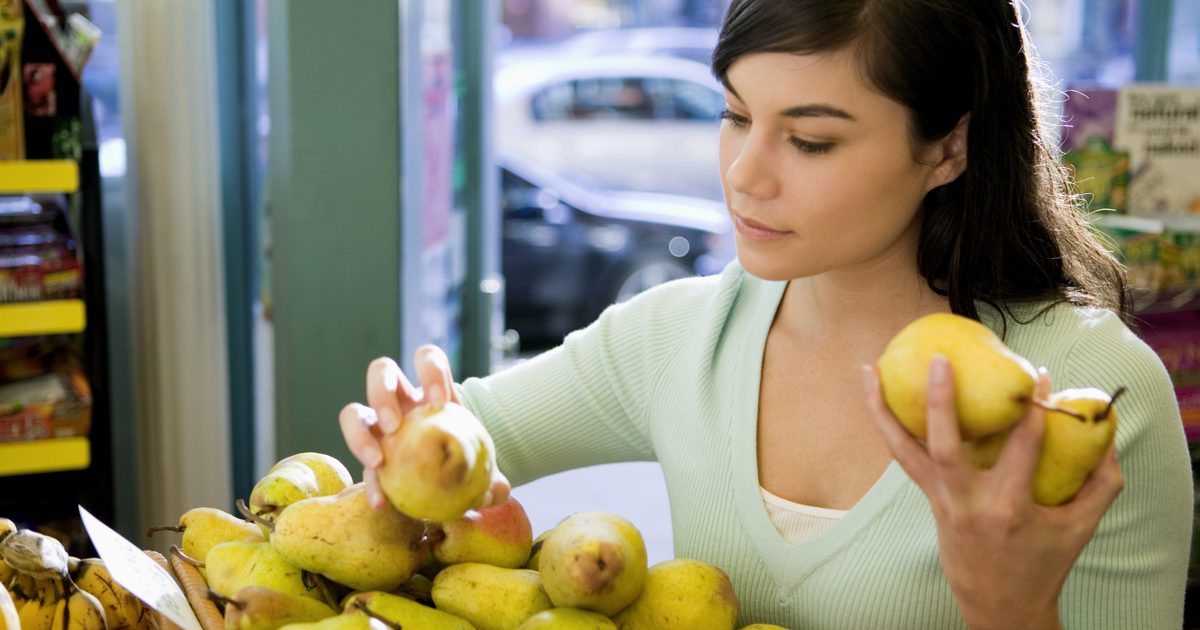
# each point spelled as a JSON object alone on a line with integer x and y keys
{"x": 375, "y": 496}
{"x": 904, "y": 447}
{"x": 389, "y": 393}
{"x": 1018, "y": 461}
{"x": 359, "y": 429}
{"x": 433, "y": 371}
{"x": 944, "y": 439}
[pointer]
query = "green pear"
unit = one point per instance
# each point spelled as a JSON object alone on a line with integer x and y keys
{"x": 567, "y": 619}
{"x": 332, "y": 475}
{"x": 682, "y": 594}
{"x": 261, "y": 608}
{"x": 491, "y": 598}
{"x": 347, "y": 621}
{"x": 405, "y": 612}
{"x": 536, "y": 549}
{"x": 439, "y": 464}
{"x": 594, "y": 561}
{"x": 993, "y": 385}
{"x": 762, "y": 626}
{"x": 233, "y": 566}
{"x": 204, "y": 528}
{"x": 284, "y": 485}
{"x": 500, "y": 536}
{"x": 344, "y": 539}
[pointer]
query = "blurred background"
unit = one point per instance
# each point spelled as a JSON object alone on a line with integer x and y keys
{"x": 271, "y": 193}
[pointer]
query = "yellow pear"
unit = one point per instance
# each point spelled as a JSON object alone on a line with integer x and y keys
{"x": 343, "y": 538}
{"x": 347, "y": 621}
{"x": 284, "y": 485}
{"x": 439, "y": 464}
{"x": 261, "y": 608}
{"x": 682, "y": 594}
{"x": 233, "y": 566}
{"x": 567, "y": 619}
{"x": 405, "y": 612}
{"x": 500, "y": 535}
{"x": 536, "y": 549}
{"x": 594, "y": 561}
{"x": 204, "y": 528}
{"x": 491, "y": 598}
{"x": 993, "y": 385}
{"x": 762, "y": 626}
{"x": 332, "y": 475}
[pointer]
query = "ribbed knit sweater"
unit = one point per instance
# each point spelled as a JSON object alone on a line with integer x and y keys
{"x": 673, "y": 376}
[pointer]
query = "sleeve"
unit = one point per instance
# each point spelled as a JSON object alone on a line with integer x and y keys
{"x": 1133, "y": 573}
{"x": 583, "y": 403}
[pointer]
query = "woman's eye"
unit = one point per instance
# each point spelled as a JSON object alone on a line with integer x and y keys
{"x": 811, "y": 148}
{"x": 734, "y": 119}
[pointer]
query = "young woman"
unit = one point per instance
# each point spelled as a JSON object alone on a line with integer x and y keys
{"x": 882, "y": 160}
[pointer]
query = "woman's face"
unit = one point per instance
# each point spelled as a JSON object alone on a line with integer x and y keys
{"x": 818, "y": 168}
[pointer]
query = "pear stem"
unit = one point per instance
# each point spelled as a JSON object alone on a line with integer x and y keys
{"x": 318, "y": 581}
{"x": 199, "y": 564}
{"x": 1112, "y": 401}
{"x": 420, "y": 596}
{"x": 252, "y": 517}
{"x": 225, "y": 601}
{"x": 174, "y": 528}
{"x": 1049, "y": 407}
{"x": 372, "y": 614}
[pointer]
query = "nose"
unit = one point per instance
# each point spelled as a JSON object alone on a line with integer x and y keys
{"x": 752, "y": 171}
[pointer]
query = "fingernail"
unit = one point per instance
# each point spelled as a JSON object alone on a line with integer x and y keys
{"x": 372, "y": 456}
{"x": 938, "y": 369}
{"x": 388, "y": 420}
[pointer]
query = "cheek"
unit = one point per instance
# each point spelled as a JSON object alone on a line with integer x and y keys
{"x": 729, "y": 147}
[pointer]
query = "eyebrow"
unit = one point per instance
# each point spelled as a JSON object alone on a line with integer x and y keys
{"x": 814, "y": 110}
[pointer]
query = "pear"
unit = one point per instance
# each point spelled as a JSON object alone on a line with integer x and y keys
{"x": 261, "y": 608}
{"x": 567, "y": 619}
{"x": 536, "y": 550}
{"x": 355, "y": 621}
{"x": 405, "y": 612}
{"x": 343, "y": 538}
{"x": 594, "y": 561}
{"x": 500, "y": 536}
{"x": 993, "y": 385}
{"x": 284, "y": 485}
{"x": 439, "y": 464}
{"x": 762, "y": 626}
{"x": 233, "y": 566}
{"x": 1080, "y": 426}
{"x": 491, "y": 598}
{"x": 332, "y": 475}
{"x": 682, "y": 594}
{"x": 204, "y": 528}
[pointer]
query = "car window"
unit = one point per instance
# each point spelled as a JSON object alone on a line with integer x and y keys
{"x": 692, "y": 101}
{"x": 626, "y": 98}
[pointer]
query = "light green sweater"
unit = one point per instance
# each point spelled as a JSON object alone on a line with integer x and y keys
{"x": 673, "y": 376}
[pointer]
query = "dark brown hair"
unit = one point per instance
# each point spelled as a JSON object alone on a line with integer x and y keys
{"x": 1007, "y": 230}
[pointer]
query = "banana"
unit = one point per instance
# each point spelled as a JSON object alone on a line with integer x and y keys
{"x": 50, "y": 589}
{"x": 24, "y": 586}
{"x": 6, "y": 573}
{"x": 6, "y": 527}
{"x": 81, "y": 612}
{"x": 34, "y": 554}
{"x": 121, "y": 608}
{"x": 9, "y": 619}
{"x": 35, "y": 615}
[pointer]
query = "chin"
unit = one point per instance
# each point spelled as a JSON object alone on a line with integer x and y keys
{"x": 763, "y": 268}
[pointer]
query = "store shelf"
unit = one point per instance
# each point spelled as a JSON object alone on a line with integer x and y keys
{"x": 41, "y": 456}
{"x": 56, "y": 317}
{"x": 20, "y": 177}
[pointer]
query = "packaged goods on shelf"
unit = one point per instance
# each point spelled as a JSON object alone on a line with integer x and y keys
{"x": 56, "y": 404}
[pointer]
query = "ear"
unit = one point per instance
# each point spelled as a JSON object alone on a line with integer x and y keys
{"x": 953, "y": 159}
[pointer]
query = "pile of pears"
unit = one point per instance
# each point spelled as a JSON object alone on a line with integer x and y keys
{"x": 311, "y": 552}
{"x": 994, "y": 388}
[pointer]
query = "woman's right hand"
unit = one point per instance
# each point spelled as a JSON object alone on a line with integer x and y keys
{"x": 390, "y": 395}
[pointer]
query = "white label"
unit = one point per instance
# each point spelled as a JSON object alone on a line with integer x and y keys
{"x": 139, "y": 574}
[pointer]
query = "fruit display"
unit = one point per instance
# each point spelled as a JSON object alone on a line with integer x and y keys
{"x": 994, "y": 389}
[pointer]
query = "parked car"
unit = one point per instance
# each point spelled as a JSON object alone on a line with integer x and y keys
{"x": 571, "y": 247}
{"x": 637, "y": 123}
{"x": 687, "y": 42}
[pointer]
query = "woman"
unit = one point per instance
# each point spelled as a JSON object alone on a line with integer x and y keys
{"x": 881, "y": 160}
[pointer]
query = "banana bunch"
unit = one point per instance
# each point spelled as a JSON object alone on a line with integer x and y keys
{"x": 42, "y": 588}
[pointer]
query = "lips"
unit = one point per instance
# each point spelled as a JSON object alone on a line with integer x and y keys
{"x": 754, "y": 230}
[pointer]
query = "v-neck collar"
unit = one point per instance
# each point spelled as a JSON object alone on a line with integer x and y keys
{"x": 789, "y": 564}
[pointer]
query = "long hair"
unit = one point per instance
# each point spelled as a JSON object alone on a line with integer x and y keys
{"x": 1007, "y": 230}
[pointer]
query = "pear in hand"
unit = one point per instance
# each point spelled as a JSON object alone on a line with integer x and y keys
{"x": 204, "y": 528}
{"x": 233, "y": 566}
{"x": 403, "y": 612}
{"x": 491, "y": 598}
{"x": 344, "y": 539}
{"x": 993, "y": 385}
{"x": 439, "y": 464}
{"x": 567, "y": 619}
{"x": 500, "y": 536}
{"x": 259, "y": 608}
{"x": 594, "y": 561}
{"x": 682, "y": 594}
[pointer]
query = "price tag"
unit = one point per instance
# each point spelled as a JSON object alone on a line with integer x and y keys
{"x": 140, "y": 575}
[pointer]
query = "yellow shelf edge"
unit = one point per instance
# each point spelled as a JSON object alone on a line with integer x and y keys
{"x": 54, "y": 317}
{"x": 19, "y": 177}
{"x": 42, "y": 456}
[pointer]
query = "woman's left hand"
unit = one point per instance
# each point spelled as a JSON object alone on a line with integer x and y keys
{"x": 1005, "y": 557}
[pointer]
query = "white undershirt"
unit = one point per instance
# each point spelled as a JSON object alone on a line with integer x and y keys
{"x": 797, "y": 522}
